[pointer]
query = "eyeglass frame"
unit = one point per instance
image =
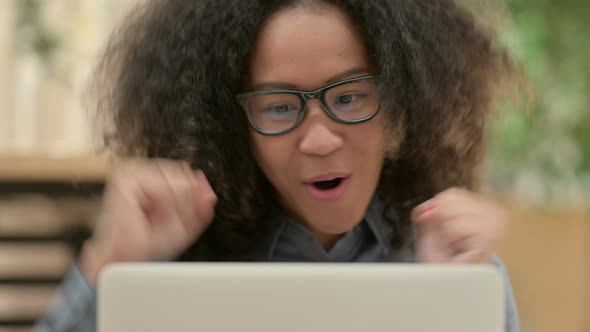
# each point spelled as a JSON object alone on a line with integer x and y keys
{"x": 304, "y": 97}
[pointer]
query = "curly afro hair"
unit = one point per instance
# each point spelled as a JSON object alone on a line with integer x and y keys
{"x": 166, "y": 88}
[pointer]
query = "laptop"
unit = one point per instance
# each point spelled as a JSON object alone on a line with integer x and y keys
{"x": 279, "y": 297}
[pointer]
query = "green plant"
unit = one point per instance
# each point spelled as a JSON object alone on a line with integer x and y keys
{"x": 549, "y": 141}
{"x": 33, "y": 34}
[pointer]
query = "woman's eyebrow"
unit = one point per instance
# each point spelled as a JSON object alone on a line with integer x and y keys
{"x": 347, "y": 74}
{"x": 289, "y": 86}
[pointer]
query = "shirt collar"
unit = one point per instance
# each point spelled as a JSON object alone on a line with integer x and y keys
{"x": 286, "y": 238}
{"x": 381, "y": 229}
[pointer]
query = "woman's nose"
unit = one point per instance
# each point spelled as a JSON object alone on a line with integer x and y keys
{"x": 319, "y": 137}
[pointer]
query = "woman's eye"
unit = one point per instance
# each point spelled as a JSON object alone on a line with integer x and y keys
{"x": 352, "y": 98}
{"x": 346, "y": 99}
{"x": 280, "y": 112}
{"x": 280, "y": 108}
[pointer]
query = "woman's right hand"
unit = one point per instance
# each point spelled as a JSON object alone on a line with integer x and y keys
{"x": 152, "y": 210}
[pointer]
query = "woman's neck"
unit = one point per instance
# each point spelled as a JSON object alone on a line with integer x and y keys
{"x": 327, "y": 240}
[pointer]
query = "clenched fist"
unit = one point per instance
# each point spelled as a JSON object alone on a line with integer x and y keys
{"x": 458, "y": 226}
{"x": 152, "y": 210}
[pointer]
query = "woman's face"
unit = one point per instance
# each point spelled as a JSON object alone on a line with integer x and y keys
{"x": 306, "y": 49}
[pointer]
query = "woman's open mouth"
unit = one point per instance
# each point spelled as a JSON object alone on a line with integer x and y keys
{"x": 328, "y": 185}
{"x": 328, "y": 189}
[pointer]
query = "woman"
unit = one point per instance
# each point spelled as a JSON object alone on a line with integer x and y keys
{"x": 309, "y": 130}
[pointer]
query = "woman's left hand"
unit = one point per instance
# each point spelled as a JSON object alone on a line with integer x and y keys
{"x": 458, "y": 226}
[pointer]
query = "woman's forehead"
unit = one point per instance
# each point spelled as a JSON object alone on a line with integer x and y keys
{"x": 306, "y": 47}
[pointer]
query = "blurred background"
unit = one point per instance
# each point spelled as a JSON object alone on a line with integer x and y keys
{"x": 51, "y": 174}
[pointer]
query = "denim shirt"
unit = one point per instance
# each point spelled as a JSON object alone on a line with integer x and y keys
{"x": 74, "y": 308}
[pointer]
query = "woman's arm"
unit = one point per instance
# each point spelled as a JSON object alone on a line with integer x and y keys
{"x": 74, "y": 307}
{"x": 512, "y": 319}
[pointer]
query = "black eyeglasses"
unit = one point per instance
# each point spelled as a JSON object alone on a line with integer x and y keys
{"x": 276, "y": 112}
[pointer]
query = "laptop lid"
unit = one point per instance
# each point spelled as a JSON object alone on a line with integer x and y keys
{"x": 252, "y": 297}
